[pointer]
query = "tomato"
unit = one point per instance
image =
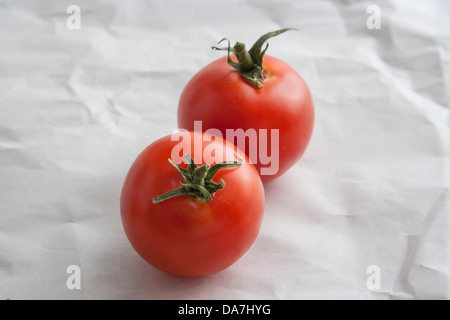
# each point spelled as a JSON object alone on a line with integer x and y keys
{"x": 192, "y": 234}
{"x": 272, "y": 106}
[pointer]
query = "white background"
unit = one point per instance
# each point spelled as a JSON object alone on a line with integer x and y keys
{"x": 78, "y": 106}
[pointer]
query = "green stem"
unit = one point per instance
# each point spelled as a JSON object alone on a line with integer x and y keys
{"x": 244, "y": 58}
{"x": 249, "y": 64}
{"x": 197, "y": 181}
{"x": 170, "y": 194}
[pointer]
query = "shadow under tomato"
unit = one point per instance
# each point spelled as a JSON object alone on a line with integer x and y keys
{"x": 151, "y": 283}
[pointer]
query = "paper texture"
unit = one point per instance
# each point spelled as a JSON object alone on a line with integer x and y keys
{"x": 363, "y": 215}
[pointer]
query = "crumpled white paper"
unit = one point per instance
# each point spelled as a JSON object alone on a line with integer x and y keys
{"x": 363, "y": 215}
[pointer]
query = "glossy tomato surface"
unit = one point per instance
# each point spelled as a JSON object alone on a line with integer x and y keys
{"x": 184, "y": 235}
{"x": 221, "y": 99}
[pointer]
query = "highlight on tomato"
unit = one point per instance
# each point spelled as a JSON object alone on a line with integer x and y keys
{"x": 192, "y": 204}
{"x": 255, "y": 93}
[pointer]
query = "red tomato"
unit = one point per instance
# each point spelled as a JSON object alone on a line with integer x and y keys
{"x": 185, "y": 235}
{"x": 222, "y": 99}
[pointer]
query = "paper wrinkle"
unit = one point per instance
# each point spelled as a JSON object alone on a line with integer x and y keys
{"x": 78, "y": 106}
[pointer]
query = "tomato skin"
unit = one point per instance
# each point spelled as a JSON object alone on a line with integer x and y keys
{"x": 219, "y": 97}
{"x": 183, "y": 235}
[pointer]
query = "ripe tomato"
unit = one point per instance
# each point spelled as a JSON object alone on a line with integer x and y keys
{"x": 185, "y": 234}
{"x": 273, "y": 100}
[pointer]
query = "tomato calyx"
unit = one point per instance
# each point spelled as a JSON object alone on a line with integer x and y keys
{"x": 197, "y": 180}
{"x": 249, "y": 64}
